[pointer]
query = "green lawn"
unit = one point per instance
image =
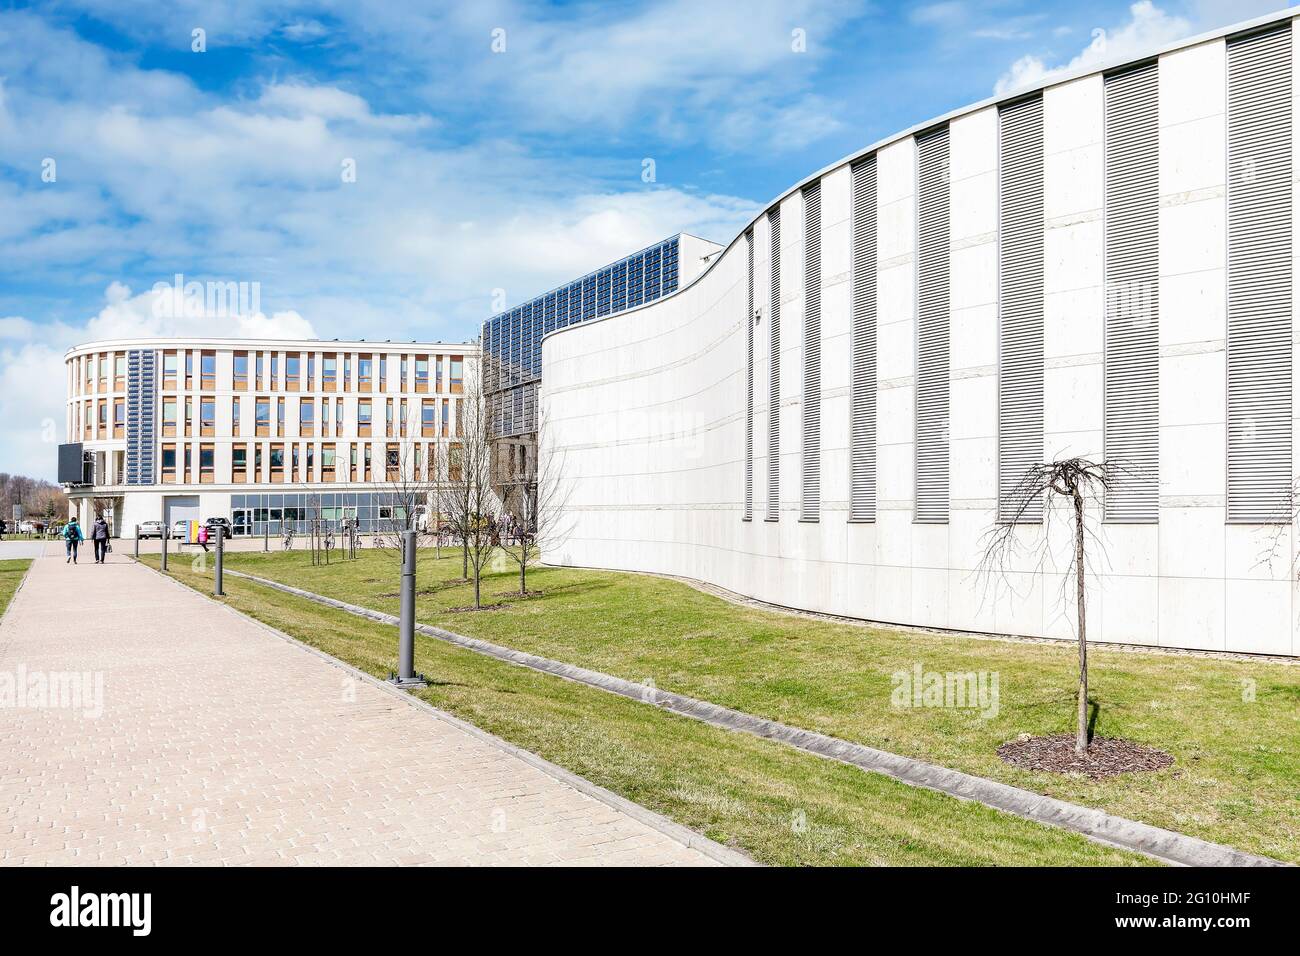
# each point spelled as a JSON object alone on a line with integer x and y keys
{"x": 779, "y": 805}
{"x": 1236, "y": 776}
{"x": 11, "y": 575}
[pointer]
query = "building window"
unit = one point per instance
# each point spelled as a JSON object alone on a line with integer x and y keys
{"x": 363, "y": 418}
{"x": 189, "y": 463}
{"x": 307, "y": 419}
{"x": 382, "y": 362}
{"x": 241, "y": 371}
{"x": 404, "y": 384}
{"x": 446, "y": 415}
{"x": 189, "y": 370}
{"x": 234, "y": 416}
{"x": 369, "y": 472}
{"x": 422, "y": 373}
{"x": 437, "y": 373}
{"x": 207, "y": 416}
{"x": 102, "y": 419}
{"x": 456, "y": 375}
{"x": 329, "y": 372}
{"x": 428, "y": 422}
{"x": 295, "y": 473}
{"x": 119, "y": 372}
{"x": 392, "y": 463}
{"x": 189, "y": 415}
{"x": 239, "y": 463}
{"x": 169, "y": 371}
{"x": 257, "y": 462}
{"x": 208, "y": 371}
{"x": 277, "y": 463}
{"x": 207, "y": 464}
{"x": 453, "y": 461}
{"x": 169, "y": 417}
{"x": 262, "y": 415}
{"x": 338, "y": 417}
{"x": 275, "y": 369}
{"x": 169, "y": 463}
{"x": 279, "y": 416}
{"x": 347, "y": 372}
{"x": 364, "y": 368}
{"x": 311, "y": 370}
{"x": 327, "y": 454}
{"x": 402, "y": 423}
{"x": 119, "y": 418}
{"x": 103, "y": 373}
{"x": 292, "y": 366}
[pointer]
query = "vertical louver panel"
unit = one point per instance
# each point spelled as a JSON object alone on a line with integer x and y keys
{"x": 810, "y": 501}
{"x": 932, "y": 328}
{"x": 862, "y": 384}
{"x": 1132, "y": 294}
{"x": 1259, "y": 277}
{"x": 749, "y": 376}
{"x": 141, "y": 413}
{"x": 774, "y": 373}
{"x": 1020, "y": 306}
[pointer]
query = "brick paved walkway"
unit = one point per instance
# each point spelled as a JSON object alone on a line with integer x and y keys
{"x": 221, "y": 743}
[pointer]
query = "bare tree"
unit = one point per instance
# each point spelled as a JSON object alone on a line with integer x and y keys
{"x": 537, "y": 506}
{"x": 1074, "y": 480}
{"x": 410, "y": 492}
{"x": 467, "y": 499}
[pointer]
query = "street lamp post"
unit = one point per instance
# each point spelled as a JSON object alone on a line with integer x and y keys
{"x": 406, "y": 676}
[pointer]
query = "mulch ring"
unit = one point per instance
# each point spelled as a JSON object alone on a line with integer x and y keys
{"x": 1105, "y": 756}
{"x": 516, "y": 594}
{"x": 472, "y": 609}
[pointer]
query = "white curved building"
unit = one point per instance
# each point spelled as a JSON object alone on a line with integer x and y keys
{"x": 833, "y": 414}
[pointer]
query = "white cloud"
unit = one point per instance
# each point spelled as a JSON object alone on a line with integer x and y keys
{"x": 1148, "y": 27}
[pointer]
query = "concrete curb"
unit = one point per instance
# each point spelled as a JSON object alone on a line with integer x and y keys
{"x": 674, "y": 831}
{"x": 13, "y": 597}
{"x": 1165, "y": 845}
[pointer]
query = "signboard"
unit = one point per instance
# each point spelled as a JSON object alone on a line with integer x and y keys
{"x": 72, "y": 465}
{"x": 191, "y": 532}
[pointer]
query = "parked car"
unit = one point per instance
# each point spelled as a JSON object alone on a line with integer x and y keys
{"x": 219, "y": 526}
{"x": 151, "y": 529}
{"x": 180, "y": 530}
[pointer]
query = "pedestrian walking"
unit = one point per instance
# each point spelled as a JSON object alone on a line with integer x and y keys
{"x": 203, "y": 536}
{"x": 72, "y": 538}
{"x": 99, "y": 538}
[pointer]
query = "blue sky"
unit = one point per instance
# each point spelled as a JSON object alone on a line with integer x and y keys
{"x": 476, "y": 169}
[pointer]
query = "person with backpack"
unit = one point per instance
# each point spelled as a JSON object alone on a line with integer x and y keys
{"x": 72, "y": 537}
{"x": 99, "y": 537}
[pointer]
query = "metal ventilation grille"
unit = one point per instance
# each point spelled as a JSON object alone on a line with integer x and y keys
{"x": 1020, "y": 306}
{"x": 862, "y": 385}
{"x": 932, "y": 328}
{"x": 1132, "y": 294}
{"x": 1259, "y": 277}
{"x": 774, "y": 376}
{"x": 810, "y": 502}
{"x": 749, "y": 377}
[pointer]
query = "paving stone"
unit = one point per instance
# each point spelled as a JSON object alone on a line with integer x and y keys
{"x": 219, "y": 743}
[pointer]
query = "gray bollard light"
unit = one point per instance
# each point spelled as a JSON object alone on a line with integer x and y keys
{"x": 217, "y": 582}
{"x": 406, "y": 675}
{"x": 163, "y": 538}
{"x": 137, "y": 541}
